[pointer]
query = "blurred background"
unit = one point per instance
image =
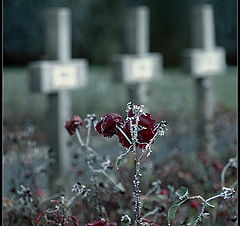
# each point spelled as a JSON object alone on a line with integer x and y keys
{"x": 97, "y": 35}
{"x": 96, "y": 26}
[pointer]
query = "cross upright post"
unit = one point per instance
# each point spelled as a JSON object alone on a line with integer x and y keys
{"x": 203, "y": 61}
{"x": 55, "y": 76}
{"x": 137, "y": 67}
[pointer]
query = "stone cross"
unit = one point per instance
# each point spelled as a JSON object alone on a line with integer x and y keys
{"x": 55, "y": 76}
{"x": 137, "y": 67}
{"x": 203, "y": 61}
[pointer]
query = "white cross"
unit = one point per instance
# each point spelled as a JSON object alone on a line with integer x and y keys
{"x": 203, "y": 61}
{"x": 55, "y": 77}
{"x": 137, "y": 67}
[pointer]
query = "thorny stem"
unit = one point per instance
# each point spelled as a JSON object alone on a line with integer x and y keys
{"x": 227, "y": 192}
{"x": 99, "y": 209}
{"x": 92, "y": 151}
{"x": 111, "y": 179}
{"x": 200, "y": 197}
{"x": 134, "y": 129}
{"x": 156, "y": 186}
{"x": 153, "y": 212}
{"x": 79, "y": 137}
{"x": 149, "y": 193}
{"x": 88, "y": 134}
{"x": 136, "y": 180}
{"x": 199, "y": 218}
{"x": 123, "y": 154}
{"x": 137, "y": 191}
{"x": 94, "y": 179}
{"x": 89, "y": 163}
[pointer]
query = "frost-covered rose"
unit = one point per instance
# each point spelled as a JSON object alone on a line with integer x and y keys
{"x": 111, "y": 124}
{"x": 145, "y": 134}
{"x": 74, "y": 122}
{"x": 107, "y": 125}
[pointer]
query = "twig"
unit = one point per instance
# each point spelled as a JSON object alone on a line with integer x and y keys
{"x": 231, "y": 163}
{"x": 225, "y": 194}
{"x": 79, "y": 137}
{"x": 111, "y": 179}
{"x": 152, "y": 212}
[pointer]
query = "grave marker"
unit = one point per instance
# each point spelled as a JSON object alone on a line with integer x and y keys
{"x": 137, "y": 67}
{"x": 55, "y": 77}
{"x": 203, "y": 61}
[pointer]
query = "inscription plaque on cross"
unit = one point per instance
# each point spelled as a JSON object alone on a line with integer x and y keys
{"x": 203, "y": 61}
{"x": 137, "y": 67}
{"x": 55, "y": 76}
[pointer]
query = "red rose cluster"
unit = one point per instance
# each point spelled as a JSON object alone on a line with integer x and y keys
{"x": 112, "y": 124}
{"x": 74, "y": 122}
{"x": 100, "y": 222}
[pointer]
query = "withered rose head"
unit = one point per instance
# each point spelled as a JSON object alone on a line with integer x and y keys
{"x": 107, "y": 125}
{"x": 72, "y": 124}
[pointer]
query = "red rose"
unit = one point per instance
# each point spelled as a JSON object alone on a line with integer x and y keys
{"x": 107, "y": 125}
{"x": 194, "y": 204}
{"x": 144, "y": 136}
{"x": 164, "y": 192}
{"x": 100, "y": 222}
{"x": 146, "y": 119}
{"x": 74, "y": 122}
